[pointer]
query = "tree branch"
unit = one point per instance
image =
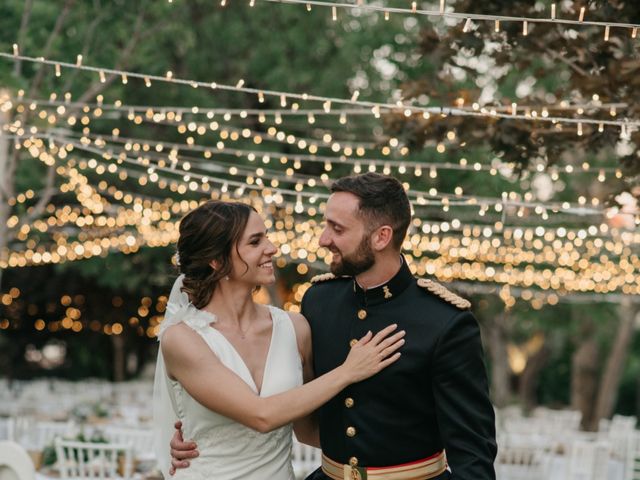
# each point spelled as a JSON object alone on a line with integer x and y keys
{"x": 568, "y": 62}
{"x": 35, "y": 84}
{"x": 97, "y": 87}
{"x": 5, "y": 154}
{"x": 86, "y": 43}
{"x": 47, "y": 193}
{"x": 8, "y": 156}
{"x": 26, "y": 14}
{"x": 9, "y": 170}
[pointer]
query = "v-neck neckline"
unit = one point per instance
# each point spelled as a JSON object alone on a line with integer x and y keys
{"x": 267, "y": 358}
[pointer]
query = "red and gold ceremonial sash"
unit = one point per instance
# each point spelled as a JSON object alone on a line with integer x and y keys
{"x": 424, "y": 469}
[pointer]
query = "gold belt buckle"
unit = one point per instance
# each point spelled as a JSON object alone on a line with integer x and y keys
{"x": 354, "y": 473}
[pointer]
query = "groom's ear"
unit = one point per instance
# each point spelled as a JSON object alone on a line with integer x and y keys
{"x": 381, "y": 237}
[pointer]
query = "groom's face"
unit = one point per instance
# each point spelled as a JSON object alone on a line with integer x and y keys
{"x": 346, "y": 236}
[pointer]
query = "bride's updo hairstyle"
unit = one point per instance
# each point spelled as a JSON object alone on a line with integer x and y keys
{"x": 209, "y": 233}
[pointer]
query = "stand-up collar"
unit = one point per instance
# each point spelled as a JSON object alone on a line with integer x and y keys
{"x": 387, "y": 291}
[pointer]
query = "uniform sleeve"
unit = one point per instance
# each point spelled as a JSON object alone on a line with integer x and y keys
{"x": 304, "y": 305}
{"x": 465, "y": 415}
{"x": 306, "y": 311}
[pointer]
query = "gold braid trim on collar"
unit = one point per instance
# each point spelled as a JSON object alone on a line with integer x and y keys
{"x": 442, "y": 292}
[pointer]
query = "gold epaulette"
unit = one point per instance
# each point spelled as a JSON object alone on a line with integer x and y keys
{"x": 323, "y": 277}
{"x": 442, "y": 292}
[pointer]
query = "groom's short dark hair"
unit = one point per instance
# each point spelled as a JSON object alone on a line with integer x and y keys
{"x": 383, "y": 201}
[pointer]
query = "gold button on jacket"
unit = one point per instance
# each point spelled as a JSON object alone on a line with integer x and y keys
{"x": 351, "y": 431}
{"x": 348, "y": 402}
{"x": 362, "y": 314}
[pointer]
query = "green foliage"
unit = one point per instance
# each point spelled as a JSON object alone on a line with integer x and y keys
{"x": 137, "y": 273}
{"x": 628, "y": 398}
{"x": 269, "y": 46}
{"x": 284, "y": 47}
{"x": 563, "y": 64}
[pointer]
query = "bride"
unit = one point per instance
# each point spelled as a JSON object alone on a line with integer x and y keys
{"x": 231, "y": 370}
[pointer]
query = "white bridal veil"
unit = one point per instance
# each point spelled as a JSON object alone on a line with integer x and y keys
{"x": 164, "y": 412}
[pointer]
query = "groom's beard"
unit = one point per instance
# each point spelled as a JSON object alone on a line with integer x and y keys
{"x": 358, "y": 262}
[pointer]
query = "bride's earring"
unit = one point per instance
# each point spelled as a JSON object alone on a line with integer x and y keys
{"x": 227, "y": 278}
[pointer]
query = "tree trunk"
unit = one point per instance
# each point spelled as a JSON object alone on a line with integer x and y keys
{"x": 530, "y": 376}
{"x": 608, "y": 393}
{"x": 6, "y": 177}
{"x": 497, "y": 336}
{"x": 118, "y": 358}
{"x": 584, "y": 380}
{"x": 637, "y": 397}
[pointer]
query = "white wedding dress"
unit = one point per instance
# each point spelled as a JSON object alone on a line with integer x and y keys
{"x": 228, "y": 449}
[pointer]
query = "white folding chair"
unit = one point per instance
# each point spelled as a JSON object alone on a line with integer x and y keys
{"x": 42, "y": 434}
{"x": 78, "y": 460}
{"x": 588, "y": 460}
{"x": 15, "y": 463}
{"x": 7, "y": 428}
{"x": 141, "y": 440}
{"x": 522, "y": 463}
{"x": 632, "y": 460}
{"x": 624, "y": 423}
{"x": 305, "y": 459}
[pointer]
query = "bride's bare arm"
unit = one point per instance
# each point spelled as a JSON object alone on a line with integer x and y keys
{"x": 190, "y": 361}
{"x": 305, "y": 428}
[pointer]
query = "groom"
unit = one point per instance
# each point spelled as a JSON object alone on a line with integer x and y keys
{"x": 428, "y": 416}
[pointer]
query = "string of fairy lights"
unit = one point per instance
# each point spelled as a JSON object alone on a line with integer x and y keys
{"x": 369, "y": 163}
{"x": 327, "y": 102}
{"x": 185, "y": 172}
{"x": 254, "y": 180}
{"x": 350, "y": 150}
{"x": 296, "y": 252}
{"x": 468, "y": 18}
{"x": 446, "y": 12}
{"x": 372, "y": 164}
{"x": 228, "y": 113}
{"x": 514, "y": 258}
{"x": 294, "y": 109}
{"x": 471, "y": 259}
{"x": 446, "y": 227}
{"x": 160, "y": 115}
{"x": 527, "y": 235}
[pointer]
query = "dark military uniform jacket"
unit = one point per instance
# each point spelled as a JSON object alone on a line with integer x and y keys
{"x": 434, "y": 397}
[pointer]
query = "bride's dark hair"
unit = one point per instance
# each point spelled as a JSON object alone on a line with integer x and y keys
{"x": 208, "y": 233}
